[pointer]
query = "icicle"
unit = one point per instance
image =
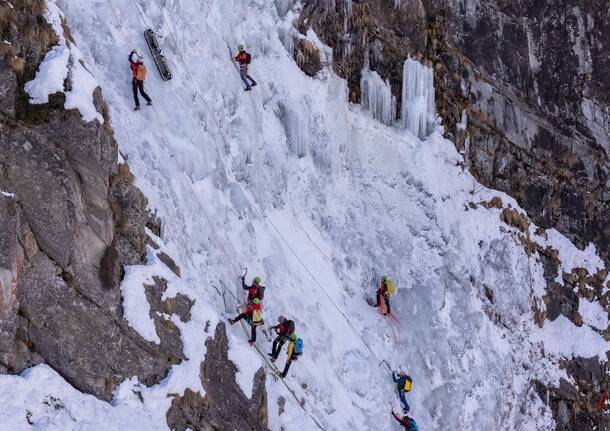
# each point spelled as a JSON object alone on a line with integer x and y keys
{"x": 377, "y": 97}
{"x": 463, "y": 121}
{"x": 296, "y": 123}
{"x": 418, "y": 110}
{"x": 283, "y": 6}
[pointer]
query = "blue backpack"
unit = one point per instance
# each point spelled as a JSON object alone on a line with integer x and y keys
{"x": 298, "y": 347}
{"x": 411, "y": 425}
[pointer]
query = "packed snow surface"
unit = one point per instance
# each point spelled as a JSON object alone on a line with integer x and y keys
{"x": 312, "y": 194}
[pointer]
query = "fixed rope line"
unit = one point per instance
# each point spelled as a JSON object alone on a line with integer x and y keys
{"x": 229, "y": 260}
{"x": 166, "y": 20}
{"x": 325, "y": 257}
{"x": 173, "y": 156}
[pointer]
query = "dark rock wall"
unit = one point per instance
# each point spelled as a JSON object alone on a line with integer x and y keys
{"x": 224, "y": 406}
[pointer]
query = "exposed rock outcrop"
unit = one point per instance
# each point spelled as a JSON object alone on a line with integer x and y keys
{"x": 224, "y": 406}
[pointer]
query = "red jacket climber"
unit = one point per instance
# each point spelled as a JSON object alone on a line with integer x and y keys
{"x": 243, "y": 58}
{"x": 406, "y": 421}
{"x": 254, "y": 314}
{"x": 138, "y": 75}
{"x": 256, "y": 290}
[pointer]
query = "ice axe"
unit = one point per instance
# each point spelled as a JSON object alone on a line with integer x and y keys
{"x": 384, "y": 362}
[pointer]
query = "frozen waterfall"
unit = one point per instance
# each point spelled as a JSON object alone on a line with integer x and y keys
{"x": 377, "y": 97}
{"x": 418, "y": 111}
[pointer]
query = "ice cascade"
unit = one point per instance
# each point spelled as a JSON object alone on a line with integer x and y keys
{"x": 418, "y": 110}
{"x": 296, "y": 124}
{"x": 377, "y": 97}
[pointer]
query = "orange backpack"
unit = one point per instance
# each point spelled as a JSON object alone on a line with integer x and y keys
{"x": 141, "y": 74}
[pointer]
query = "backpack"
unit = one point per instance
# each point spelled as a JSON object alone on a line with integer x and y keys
{"x": 290, "y": 327}
{"x": 260, "y": 292}
{"x": 408, "y": 383}
{"x": 390, "y": 287}
{"x": 141, "y": 73}
{"x": 257, "y": 318}
{"x": 298, "y": 348}
{"x": 411, "y": 425}
{"x": 248, "y": 58}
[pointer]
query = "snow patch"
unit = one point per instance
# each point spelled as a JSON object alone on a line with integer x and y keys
{"x": 39, "y": 398}
{"x": 570, "y": 256}
{"x": 64, "y": 62}
{"x": 135, "y": 303}
{"x": 562, "y": 338}
{"x": 247, "y": 362}
{"x": 50, "y": 76}
{"x": 593, "y": 314}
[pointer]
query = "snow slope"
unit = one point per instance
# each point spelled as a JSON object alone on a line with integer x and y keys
{"x": 311, "y": 193}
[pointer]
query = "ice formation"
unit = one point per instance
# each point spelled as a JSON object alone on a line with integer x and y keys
{"x": 297, "y": 131}
{"x": 418, "y": 110}
{"x": 377, "y": 97}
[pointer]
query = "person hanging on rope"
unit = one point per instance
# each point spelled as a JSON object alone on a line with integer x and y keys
{"x": 295, "y": 350}
{"x": 386, "y": 289}
{"x": 138, "y": 70}
{"x": 403, "y": 385}
{"x": 255, "y": 290}
{"x": 244, "y": 59}
{"x": 284, "y": 330}
{"x": 407, "y": 422}
{"x": 253, "y": 314}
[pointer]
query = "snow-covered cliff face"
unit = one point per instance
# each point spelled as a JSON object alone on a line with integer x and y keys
{"x": 531, "y": 76}
{"x": 313, "y": 194}
{"x": 522, "y": 89}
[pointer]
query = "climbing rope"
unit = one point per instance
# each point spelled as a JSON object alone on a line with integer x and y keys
{"x": 256, "y": 197}
{"x": 164, "y": 136}
{"x": 167, "y": 22}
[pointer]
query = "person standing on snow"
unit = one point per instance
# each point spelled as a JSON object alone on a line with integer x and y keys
{"x": 406, "y": 421}
{"x": 295, "y": 349}
{"x": 256, "y": 290}
{"x": 284, "y": 330}
{"x": 403, "y": 385}
{"x": 138, "y": 71}
{"x": 385, "y": 290}
{"x": 244, "y": 59}
{"x": 254, "y": 315}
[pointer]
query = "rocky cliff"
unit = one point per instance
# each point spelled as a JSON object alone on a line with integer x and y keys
{"x": 71, "y": 220}
{"x": 533, "y": 80}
